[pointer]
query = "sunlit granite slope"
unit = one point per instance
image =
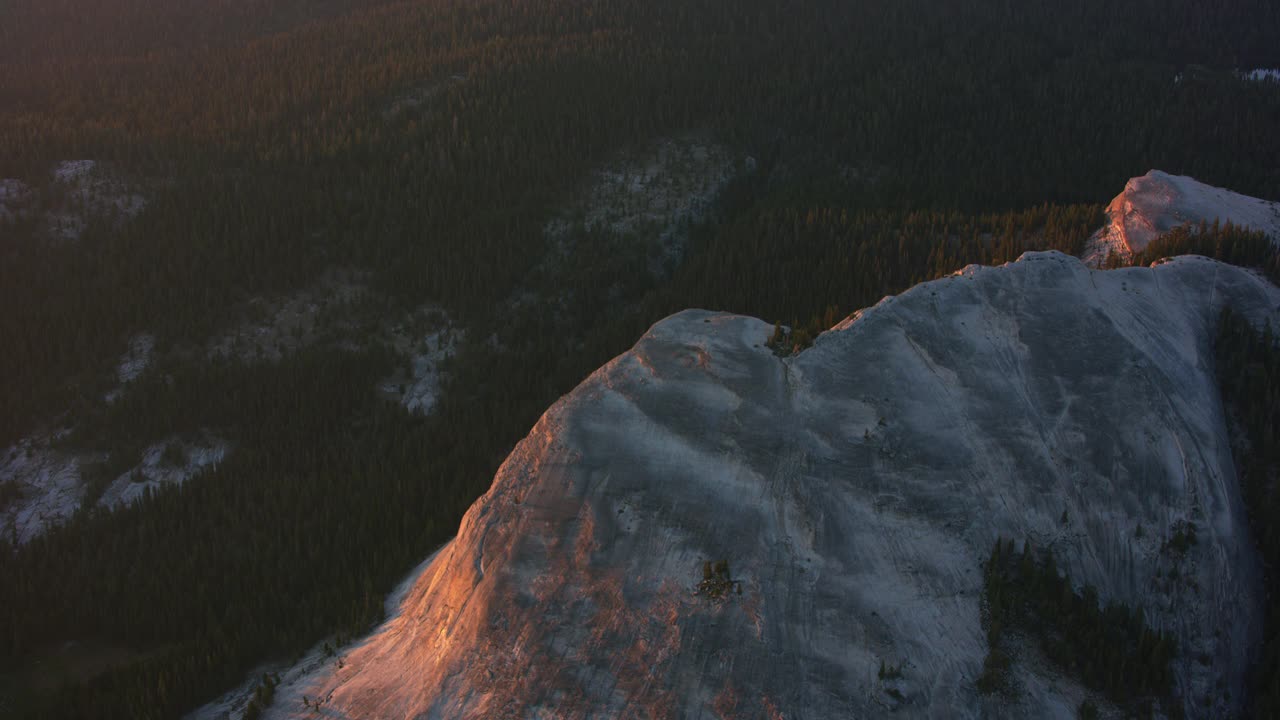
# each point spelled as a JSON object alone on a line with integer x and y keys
{"x": 1158, "y": 202}
{"x": 854, "y": 490}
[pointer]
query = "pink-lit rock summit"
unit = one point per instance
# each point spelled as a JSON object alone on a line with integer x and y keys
{"x": 1158, "y": 202}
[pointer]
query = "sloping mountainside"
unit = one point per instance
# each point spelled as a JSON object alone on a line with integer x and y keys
{"x": 847, "y": 495}
{"x": 283, "y": 283}
{"x": 1158, "y": 202}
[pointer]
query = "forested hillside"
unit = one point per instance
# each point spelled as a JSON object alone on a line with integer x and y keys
{"x": 426, "y": 145}
{"x": 1249, "y": 373}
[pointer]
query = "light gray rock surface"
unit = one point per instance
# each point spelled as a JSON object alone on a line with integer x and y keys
{"x": 1155, "y": 203}
{"x": 855, "y": 490}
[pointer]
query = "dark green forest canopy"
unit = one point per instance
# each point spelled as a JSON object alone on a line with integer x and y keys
{"x": 1110, "y": 649}
{"x": 894, "y": 141}
{"x": 1248, "y": 368}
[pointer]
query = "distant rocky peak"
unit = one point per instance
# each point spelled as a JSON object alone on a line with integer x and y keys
{"x": 1155, "y": 203}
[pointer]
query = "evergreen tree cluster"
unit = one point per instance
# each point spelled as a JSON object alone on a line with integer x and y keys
{"x": 1248, "y": 369}
{"x": 1108, "y": 648}
{"x": 1220, "y": 241}
{"x": 812, "y": 264}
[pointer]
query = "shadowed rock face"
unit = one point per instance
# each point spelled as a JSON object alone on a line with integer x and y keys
{"x": 854, "y": 490}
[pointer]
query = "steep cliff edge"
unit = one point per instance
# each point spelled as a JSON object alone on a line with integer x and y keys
{"x": 854, "y": 491}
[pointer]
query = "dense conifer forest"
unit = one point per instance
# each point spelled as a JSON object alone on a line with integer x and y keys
{"x": 425, "y": 145}
{"x": 1248, "y": 365}
{"x": 1225, "y": 242}
{"x": 1109, "y": 649}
